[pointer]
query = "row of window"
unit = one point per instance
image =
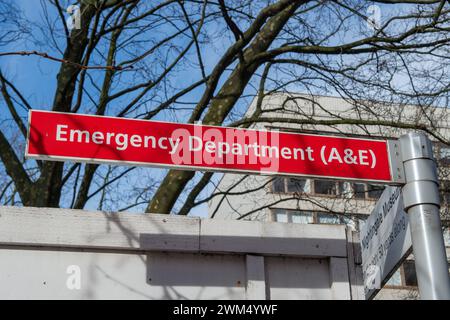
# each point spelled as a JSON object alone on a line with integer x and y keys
{"x": 306, "y": 217}
{"x": 327, "y": 187}
{"x": 339, "y": 188}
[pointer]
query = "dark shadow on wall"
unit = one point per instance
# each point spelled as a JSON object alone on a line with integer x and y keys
{"x": 220, "y": 261}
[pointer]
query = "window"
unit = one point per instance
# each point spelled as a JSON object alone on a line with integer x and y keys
{"x": 291, "y": 185}
{"x": 445, "y": 191}
{"x": 367, "y": 191}
{"x": 442, "y": 153}
{"x": 361, "y": 223}
{"x": 328, "y": 187}
{"x": 329, "y": 218}
{"x": 447, "y": 237}
{"x": 404, "y": 276}
{"x": 359, "y": 190}
{"x": 306, "y": 217}
{"x": 374, "y": 191}
{"x": 326, "y": 218}
{"x": 301, "y": 217}
{"x": 396, "y": 279}
{"x": 282, "y": 215}
{"x": 325, "y": 187}
{"x": 296, "y": 185}
{"x": 278, "y": 185}
{"x": 409, "y": 272}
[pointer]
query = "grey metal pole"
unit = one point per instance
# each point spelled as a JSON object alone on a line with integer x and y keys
{"x": 421, "y": 199}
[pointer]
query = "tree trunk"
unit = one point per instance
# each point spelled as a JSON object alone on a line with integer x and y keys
{"x": 46, "y": 192}
{"x": 175, "y": 181}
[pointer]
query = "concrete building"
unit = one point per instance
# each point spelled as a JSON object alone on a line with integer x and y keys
{"x": 314, "y": 201}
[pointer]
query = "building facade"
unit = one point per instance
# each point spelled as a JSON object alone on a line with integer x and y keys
{"x": 317, "y": 201}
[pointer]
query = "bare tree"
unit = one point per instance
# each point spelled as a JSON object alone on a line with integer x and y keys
{"x": 123, "y": 53}
{"x": 128, "y": 57}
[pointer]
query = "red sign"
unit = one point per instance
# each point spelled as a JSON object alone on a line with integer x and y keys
{"x": 100, "y": 139}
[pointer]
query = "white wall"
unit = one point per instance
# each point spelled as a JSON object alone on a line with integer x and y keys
{"x": 129, "y": 256}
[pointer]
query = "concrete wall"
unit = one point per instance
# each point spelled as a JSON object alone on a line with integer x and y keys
{"x": 44, "y": 252}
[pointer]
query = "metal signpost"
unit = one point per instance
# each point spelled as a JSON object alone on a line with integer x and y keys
{"x": 407, "y": 163}
{"x": 386, "y": 239}
{"x": 421, "y": 199}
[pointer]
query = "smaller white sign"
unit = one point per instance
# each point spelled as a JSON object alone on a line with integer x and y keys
{"x": 385, "y": 240}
